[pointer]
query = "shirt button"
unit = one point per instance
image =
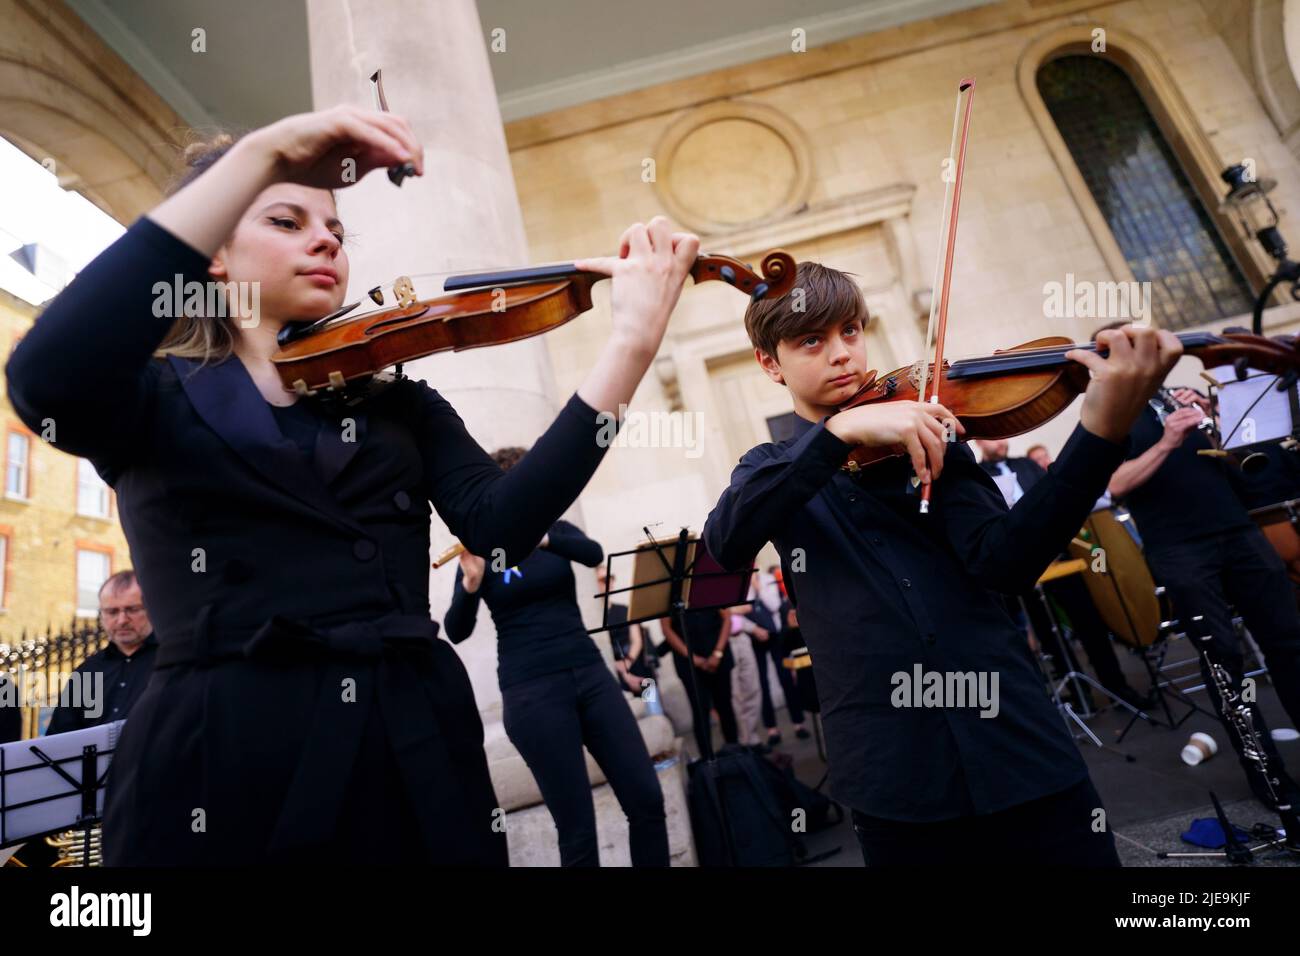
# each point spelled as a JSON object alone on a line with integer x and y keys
{"x": 402, "y": 500}
{"x": 853, "y": 497}
{"x": 877, "y": 541}
{"x": 906, "y": 582}
{"x": 364, "y": 549}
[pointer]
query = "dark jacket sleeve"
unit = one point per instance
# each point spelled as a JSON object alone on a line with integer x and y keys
{"x": 568, "y": 541}
{"x": 769, "y": 486}
{"x": 490, "y": 509}
{"x": 1005, "y": 550}
{"x": 81, "y": 377}
{"x": 462, "y": 613}
{"x": 11, "y": 718}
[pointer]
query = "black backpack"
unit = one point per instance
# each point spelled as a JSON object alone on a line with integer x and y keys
{"x": 737, "y": 815}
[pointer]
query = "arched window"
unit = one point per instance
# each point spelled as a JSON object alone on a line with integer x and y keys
{"x": 1152, "y": 209}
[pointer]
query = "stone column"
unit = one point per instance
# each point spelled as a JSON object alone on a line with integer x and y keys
{"x": 462, "y": 215}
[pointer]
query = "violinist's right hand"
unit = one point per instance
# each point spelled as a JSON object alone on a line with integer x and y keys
{"x": 471, "y": 569}
{"x": 916, "y": 426}
{"x": 312, "y": 149}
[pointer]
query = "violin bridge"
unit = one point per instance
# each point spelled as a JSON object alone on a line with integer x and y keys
{"x": 404, "y": 289}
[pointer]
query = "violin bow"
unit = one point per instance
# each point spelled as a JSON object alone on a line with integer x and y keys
{"x": 395, "y": 173}
{"x": 938, "y": 325}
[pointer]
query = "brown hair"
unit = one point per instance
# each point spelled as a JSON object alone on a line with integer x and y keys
{"x": 119, "y": 582}
{"x": 506, "y": 458}
{"x": 820, "y": 296}
{"x": 206, "y": 338}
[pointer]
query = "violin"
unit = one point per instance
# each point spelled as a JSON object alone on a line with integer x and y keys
{"x": 1016, "y": 390}
{"x": 341, "y": 353}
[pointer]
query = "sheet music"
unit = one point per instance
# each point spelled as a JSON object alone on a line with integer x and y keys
{"x": 1269, "y": 420}
{"x": 25, "y": 777}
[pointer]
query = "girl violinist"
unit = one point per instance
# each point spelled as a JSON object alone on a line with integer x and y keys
{"x": 302, "y": 708}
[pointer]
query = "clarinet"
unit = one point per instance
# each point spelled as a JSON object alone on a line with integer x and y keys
{"x": 1240, "y": 720}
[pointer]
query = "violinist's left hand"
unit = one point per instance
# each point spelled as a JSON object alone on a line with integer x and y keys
{"x": 1137, "y": 362}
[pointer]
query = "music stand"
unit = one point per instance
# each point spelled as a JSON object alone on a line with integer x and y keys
{"x": 55, "y": 783}
{"x": 670, "y": 576}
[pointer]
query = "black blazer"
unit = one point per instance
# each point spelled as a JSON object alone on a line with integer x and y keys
{"x": 306, "y": 582}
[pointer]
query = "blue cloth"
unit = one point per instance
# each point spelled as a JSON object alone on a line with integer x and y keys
{"x": 1207, "y": 832}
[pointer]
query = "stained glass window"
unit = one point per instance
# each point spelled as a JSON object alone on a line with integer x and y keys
{"x": 1154, "y": 213}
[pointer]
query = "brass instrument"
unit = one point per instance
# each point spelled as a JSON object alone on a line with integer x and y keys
{"x": 76, "y": 848}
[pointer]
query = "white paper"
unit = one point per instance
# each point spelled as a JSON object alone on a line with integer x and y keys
{"x": 25, "y": 777}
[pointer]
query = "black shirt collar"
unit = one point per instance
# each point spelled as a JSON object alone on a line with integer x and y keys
{"x": 149, "y": 642}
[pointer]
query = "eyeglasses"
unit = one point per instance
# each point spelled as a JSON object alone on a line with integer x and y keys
{"x": 133, "y": 610}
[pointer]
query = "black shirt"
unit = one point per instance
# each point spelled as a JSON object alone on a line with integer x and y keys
{"x": 883, "y": 590}
{"x": 534, "y": 606}
{"x": 299, "y": 423}
{"x": 703, "y": 625}
{"x": 1189, "y": 495}
{"x": 124, "y": 680}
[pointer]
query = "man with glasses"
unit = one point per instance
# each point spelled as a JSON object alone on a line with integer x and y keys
{"x": 120, "y": 671}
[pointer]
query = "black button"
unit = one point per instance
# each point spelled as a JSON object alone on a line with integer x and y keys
{"x": 122, "y": 684}
{"x": 853, "y": 497}
{"x": 877, "y": 541}
{"x": 402, "y": 500}
{"x": 906, "y": 582}
{"x": 364, "y": 549}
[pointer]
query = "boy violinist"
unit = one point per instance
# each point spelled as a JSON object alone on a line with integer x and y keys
{"x": 941, "y": 738}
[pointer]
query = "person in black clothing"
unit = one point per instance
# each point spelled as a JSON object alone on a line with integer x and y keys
{"x": 890, "y": 599}
{"x": 1014, "y": 477}
{"x": 126, "y": 664}
{"x": 770, "y": 619}
{"x": 11, "y": 713}
{"x": 557, "y": 694}
{"x": 1203, "y": 547}
{"x": 302, "y": 708}
{"x": 627, "y": 642}
{"x": 704, "y": 650}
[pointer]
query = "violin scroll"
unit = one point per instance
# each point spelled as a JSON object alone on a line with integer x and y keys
{"x": 778, "y": 274}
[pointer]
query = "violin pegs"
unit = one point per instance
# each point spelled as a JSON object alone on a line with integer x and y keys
{"x": 728, "y": 275}
{"x": 760, "y": 290}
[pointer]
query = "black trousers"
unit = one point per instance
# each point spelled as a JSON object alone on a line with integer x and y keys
{"x": 549, "y": 719}
{"x": 1057, "y": 830}
{"x": 711, "y": 692}
{"x": 1239, "y": 569}
{"x": 774, "y": 648}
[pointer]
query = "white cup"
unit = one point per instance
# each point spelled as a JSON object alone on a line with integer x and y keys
{"x": 1199, "y": 748}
